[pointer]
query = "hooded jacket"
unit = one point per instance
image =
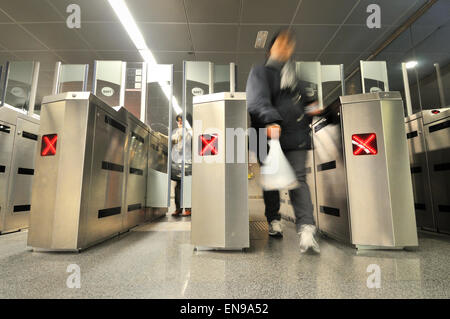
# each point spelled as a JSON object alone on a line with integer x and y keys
{"x": 267, "y": 103}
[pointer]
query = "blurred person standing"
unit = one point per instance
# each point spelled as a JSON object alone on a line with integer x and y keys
{"x": 282, "y": 104}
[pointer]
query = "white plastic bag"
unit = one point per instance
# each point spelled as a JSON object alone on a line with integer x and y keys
{"x": 276, "y": 172}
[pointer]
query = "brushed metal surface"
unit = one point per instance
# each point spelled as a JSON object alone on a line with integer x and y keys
{"x": 6, "y": 150}
{"x": 379, "y": 186}
{"x": 220, "y": 217}
{"x": 331, "y": 189}
{"x": 437, "y": 138}
{"x": 420, "y": 174}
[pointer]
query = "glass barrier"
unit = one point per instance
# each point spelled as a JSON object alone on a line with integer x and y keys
{"x": 17, "y": 86}
{"x": 134, "y": 94}
{"x": 109, "y": 81}
{"x": 72, "y": 77}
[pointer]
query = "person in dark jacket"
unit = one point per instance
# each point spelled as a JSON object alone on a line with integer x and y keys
{"x": 282, "y": 104}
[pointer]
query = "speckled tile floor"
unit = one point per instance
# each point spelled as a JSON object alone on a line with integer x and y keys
{"x": 163, "y": 264}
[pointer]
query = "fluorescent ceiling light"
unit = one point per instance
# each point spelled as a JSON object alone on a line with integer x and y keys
{"x": 128, "y": 22}
{"x": 411, "y": 64}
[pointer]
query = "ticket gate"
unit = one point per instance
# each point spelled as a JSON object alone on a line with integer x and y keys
{"x": 428, "y": 134}
{"x": 18, "y": 140}
{"x": 363, "y": 182}
{"x": 220, "y": 217}
{"x": 89, "y": 154}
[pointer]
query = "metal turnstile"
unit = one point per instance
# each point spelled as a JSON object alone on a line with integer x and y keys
{"x": 437, "y": 138}
{"x": 136, "y": 172}
{"x": 157, "y": 178}
{"x": 364, "y": 189}
{"x": 220, "y": 217}
{"x": 82, "y": 169}
{"x": 331, "y": 196}
{"x": 423, "y": 203}
{"x": 18, "y": 139}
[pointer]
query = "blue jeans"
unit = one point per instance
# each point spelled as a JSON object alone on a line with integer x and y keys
{"x": 300, "y": 196}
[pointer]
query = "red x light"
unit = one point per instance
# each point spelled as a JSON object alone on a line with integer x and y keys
{"x": 364, "y": 144}
{"x": 48, "y": 147}
{"x": 208, "y": 144}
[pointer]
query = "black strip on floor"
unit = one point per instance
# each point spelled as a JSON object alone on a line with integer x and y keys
{"x": 29, "y": 135}
{"x": 114, "y": 123}
{"x": 25, "y": 171}
{"x": 330, "y": 210}
{"x": 21, "y": 208}
{"x": 112, "y": 167}
{"x": 134, "y": 207}
{"x": 109, "y": 212}
{"x": 326, "y": 166}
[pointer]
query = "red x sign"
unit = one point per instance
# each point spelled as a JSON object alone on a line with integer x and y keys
{"x": 208, "y": 145}
{"x": 364, "y": 144}
{"x": 48, "y": 147}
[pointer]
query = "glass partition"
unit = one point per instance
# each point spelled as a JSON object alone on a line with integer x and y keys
{"x": 17, "y": 84}
{"x": 72, "y": 77}
{"x": 134, "y": 89}
{"x": 109, "y": 82}
{"x": 222, "y": 78}
{"x": 197, "y": 81}
{"x": 158, "y": 113}
{"x": 311, "y": 74}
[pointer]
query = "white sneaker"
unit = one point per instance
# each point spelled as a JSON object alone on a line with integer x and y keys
{"x": 307, "y": 240}
{"x": 275, "y": 228}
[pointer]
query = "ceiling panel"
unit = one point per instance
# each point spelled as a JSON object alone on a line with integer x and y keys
{"x": 47, "y": 59}
{"x": 78, "y": 57}
{"x": 30, "y": 10}
{"x": 106, "y": 36}
{"x": 339, "y": 58}
{"x": 305, "y": 56}
{"x": 312, "y": 38}
{"x": 323, "y": 11}
{"x": 91, "y": 10}
{"x": 15, "y": 38}
{"x": 166, "y": 37}
{"x": 213, "y": 11}
{"x": 432, "y": 43}
{"x": 354, "y": 39}
{"x": 175, "y": 58}
{"x": 392, "y": 12}
{"x": 248, "y": 36}
{"x": 56, "y": 36}
{"x": 400, "y": 44}
{"x": 127, "y": 56}
{"x": 438, "y": 14}
{"x": 157, "y": 10}
{"x": 3, "y": 17}
{"x": 217, "y": 58}
{"x": 5, "y": 56}
{"x": 211, "y": 37}
{"x": 268, "y": 11}
{"x": 245, "y": 61}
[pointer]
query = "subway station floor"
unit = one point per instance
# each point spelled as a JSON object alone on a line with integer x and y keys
{"x": 156, "y": 260}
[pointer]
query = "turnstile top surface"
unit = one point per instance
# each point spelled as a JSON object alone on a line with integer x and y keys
{"x": 356, "y": 98}
{"x": 219, "y": 97}
{"x": 429, "y": 116}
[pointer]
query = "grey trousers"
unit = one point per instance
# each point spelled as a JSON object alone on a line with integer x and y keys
{"x": 300, "y": 197}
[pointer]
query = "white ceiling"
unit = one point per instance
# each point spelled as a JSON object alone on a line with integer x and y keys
{"x": 221, "y": 31}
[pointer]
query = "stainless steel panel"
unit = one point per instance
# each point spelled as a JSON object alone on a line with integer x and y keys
{"x": 107, "y": 184}
{"x": 420, "y": 176}
{"x": 332, "y": 209}
{"x": 7, "y": 133}
{"x": 437, "y": 137}
{"x": 136, "y": 171}
{"x": 220, "y": 216}
{"x": 21, "y": 175}
{"x": 311, "y": 181}
{"x": 379, "y": 186}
